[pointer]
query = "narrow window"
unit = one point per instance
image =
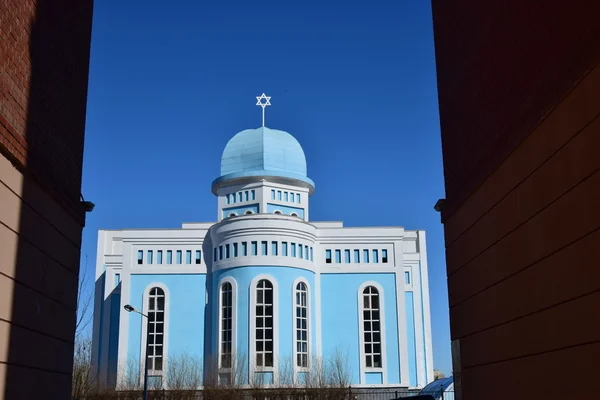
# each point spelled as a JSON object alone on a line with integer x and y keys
{"x": 159, "y": 257}
{"x": 285, "y": 196}
{"x": 384, "y": 258}
{"x": 292, "y": 197}
{"x": 226, "y": 324}
{"x": 357, "y": 256}
{"x": 407, "y": 277}
{"x": 198, "y": 257}
{"x": 263, "y": 246}
{"x": 247, "y": 195}
{"x": 306, "y": 252}
{"x": 179, "y": 256}
{"x": 233, "y": 197}
{"x": 215, "y": 256}
{"x": 254, "y": 248}
{"x": 227, "y": 251}
{"x": 338, "y": 256}
{"x": 375, "y": 256}
{"x": 328, "y": 256}
{"x": 253, "y": 194}
{"x": 220, "y": 252}
{"x": 284, "y": 247}
{"x": 298, "y": 198}
{"x": 272, "y": 194}
{"x": 188, "y": 256}
{"x": 301, "y": 325}
{"x": 235, "y": 249}
{"x": 169, "y": 257}
{"x": 227, "y": 199}
{"x": 279, "y": 195}
{"x": 156, "y": 328}
{"x": 365, "y": 256}
{"x": 117, "y": 279}
{"x": 273, "y": 248}
{"x": 240, "y": 197}
{"x": 293, "y": 246}
{"x": 299, "y": 250}
{"x": 244, "y": 249}
{"x": 311, "y": 254}
{"x": 140, "y": 257}
{"x": 347, "y": 256}
{"x": 372, "y": 327}
{"x": 264, "y": 324}
{"x": 149, "y": 257}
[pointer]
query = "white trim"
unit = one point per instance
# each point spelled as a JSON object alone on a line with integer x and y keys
{"x": 234, "y": 306}
{"x": 318, "y": 339}
{"x": 297, "y": 369}
{"x": 252, "y": 327}
{"x": 163, "y": 372}
{"x": 362, "y": 365}
{"x": 426, "y": 304}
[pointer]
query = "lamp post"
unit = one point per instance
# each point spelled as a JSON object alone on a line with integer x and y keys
{"x": 130, "y": 308}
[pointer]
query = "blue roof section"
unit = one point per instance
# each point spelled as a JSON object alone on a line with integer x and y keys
{"x": 436, "y": 388}
{"x": 263, "y": 152}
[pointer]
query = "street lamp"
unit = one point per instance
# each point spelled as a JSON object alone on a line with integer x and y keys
{"x": 130, "y": 308}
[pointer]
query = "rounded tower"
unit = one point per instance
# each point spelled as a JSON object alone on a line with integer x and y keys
{"x": 261, "y": 277}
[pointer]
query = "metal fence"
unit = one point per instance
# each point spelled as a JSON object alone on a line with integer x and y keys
{"x": 270, "y": 394}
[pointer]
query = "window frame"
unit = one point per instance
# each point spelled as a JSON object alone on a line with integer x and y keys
{"x": 297, "y": 368}
{"x": 252, "y": 322}
{"x": 233, "y": 284}
{"x": 145, "y": 310}
{"x": 363, "y": 365}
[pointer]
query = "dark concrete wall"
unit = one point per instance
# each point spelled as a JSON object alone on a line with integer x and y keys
{"x": 519, "y": 97}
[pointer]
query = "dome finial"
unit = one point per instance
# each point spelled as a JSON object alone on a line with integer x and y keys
{"x": 260, "y": 102}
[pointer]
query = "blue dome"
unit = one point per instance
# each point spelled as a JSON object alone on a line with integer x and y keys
{"x": 263, "y": 152}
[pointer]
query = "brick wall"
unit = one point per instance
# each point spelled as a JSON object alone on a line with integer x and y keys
{"x": 44, "y": 58}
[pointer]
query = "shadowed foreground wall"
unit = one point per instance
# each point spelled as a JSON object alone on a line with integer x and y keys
{"x": 519, "y": 98}
{"x": 44, "y": 57}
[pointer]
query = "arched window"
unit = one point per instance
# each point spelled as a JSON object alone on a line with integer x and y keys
{"x": 371, "y": 316}
{"x": 277, "y": 212}
{"x": 301, "y": 325}
{"x": 232, "y": 215}
{"x": 156, "y": 329}
{"x": 249, "y": 212}
{"x": 226, "y": 324}
{"x": 264, "y": 324}
{"x": 294, "y": 214}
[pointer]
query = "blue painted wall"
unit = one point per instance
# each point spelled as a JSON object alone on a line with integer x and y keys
{"x": 410, "y": 337}
{"x": 186, "y": 312}
{"x": 339, "y": 292}
{"x": 287, "y": 210}
{"x": 285, "y": 277}
{"x": 241, "y": 210}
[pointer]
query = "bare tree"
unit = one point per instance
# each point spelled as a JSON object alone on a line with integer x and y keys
{"x": 184, "y": 372}
{"x": 338, "y": 373}
{"x": 85, "y": 301}
{"x": 437, "y": 374}
{"x": 84, "y": 382}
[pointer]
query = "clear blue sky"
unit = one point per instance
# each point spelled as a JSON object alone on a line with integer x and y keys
{"x": 172, "y": 82}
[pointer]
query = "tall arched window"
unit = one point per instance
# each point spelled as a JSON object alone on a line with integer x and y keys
{"x": 226, "y": 325}
{"x": 264, "y": 324}
{"x": 301, "y": 325}
{"x": 156, "y": 329}
{"x": 372, "y": 327}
